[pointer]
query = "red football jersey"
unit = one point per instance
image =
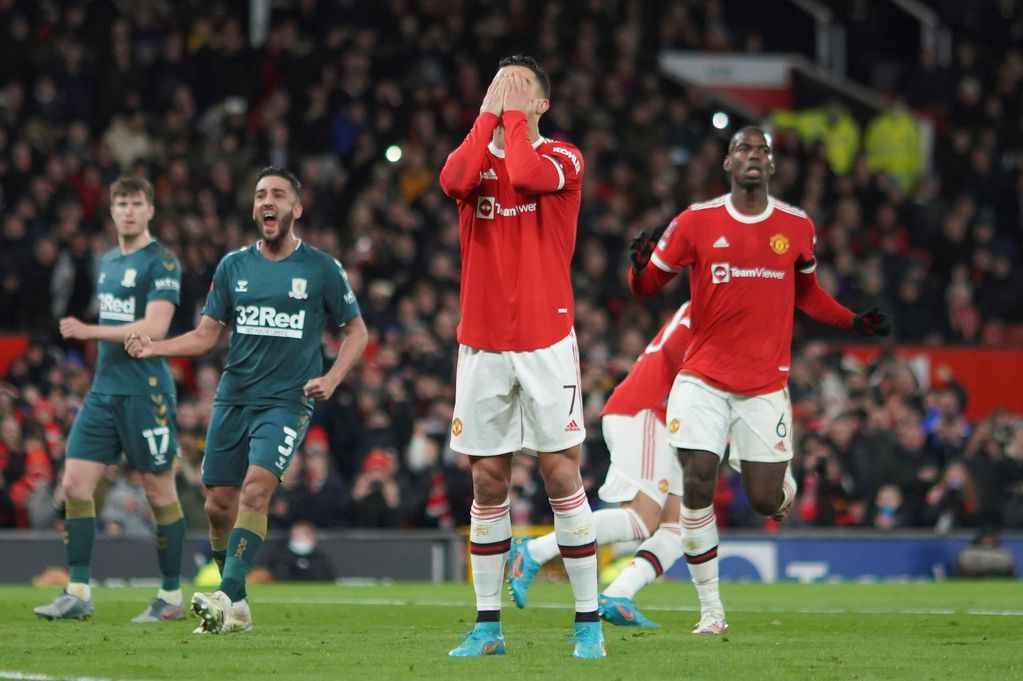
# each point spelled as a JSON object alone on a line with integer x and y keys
{"x": 649, "y": 380}
{"x": 517, "y": 214}
{"x": 742, "y": 284}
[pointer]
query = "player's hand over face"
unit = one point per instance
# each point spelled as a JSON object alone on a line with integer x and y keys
{"x": 74, "y": 328}
{"x": 518, "y": 94}
{"x": 319, "y": 388}
{"x": 493, "y": 101}
{"x": 139, "y": 346}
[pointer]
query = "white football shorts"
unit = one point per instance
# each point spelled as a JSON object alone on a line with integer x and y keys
{"x": 703, "y": 417}
{"x": 641, "y": 459}
{"x": 518, "y": 401}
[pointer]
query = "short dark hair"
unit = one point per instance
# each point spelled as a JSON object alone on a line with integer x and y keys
{"x": 126, "y": 185}
{"x": 276, "y": 171}
{"x": 743, "y": 131}
{"x": 529, "y": 63}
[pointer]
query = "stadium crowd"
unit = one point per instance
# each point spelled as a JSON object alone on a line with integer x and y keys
{"x": 364, "y": 101}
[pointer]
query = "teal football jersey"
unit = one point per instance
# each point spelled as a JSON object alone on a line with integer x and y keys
{"x": 277, "y": 311}
{"x": 126, "y": 284}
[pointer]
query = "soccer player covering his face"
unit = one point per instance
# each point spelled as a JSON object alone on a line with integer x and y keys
{"x": 517, "y": 386}
{"x": 750, "y": 259}
{"x": 277, "y": 294}
{"x": 130, "y": 407}
{"x": 644, "y": 478}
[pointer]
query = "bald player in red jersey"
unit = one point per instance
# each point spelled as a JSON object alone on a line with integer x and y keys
{"x": 750, "y": 259}
{"x": 644, "y": 478}
{"x": 517, "y": 386}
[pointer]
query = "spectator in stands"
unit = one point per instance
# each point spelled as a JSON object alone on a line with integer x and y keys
{"x": 301, "y": 559}
{"x": 126, "y": 511}
{"x": 375, "y": 497}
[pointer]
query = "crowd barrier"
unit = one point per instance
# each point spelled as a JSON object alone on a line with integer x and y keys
{"x": 439, "y": 556}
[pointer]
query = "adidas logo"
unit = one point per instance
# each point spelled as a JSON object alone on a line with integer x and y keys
{"x": 572, "y": 427}
{"x": 488, "y": 174}
{"x": 780, "y": 446}
{"x": 722, "y": 242}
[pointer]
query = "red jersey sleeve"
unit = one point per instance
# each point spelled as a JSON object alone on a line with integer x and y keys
{"x": 810, "y": 297}
{"x": 675, "y": 251}
{"x": 558, "y": 167}
{"x": 461, "y": 172}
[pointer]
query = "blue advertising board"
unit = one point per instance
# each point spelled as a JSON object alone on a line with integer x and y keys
{"x": 773, "y": 558}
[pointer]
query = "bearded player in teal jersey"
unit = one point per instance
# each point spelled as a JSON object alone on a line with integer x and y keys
{"x": 277, "y": 294}
{"x": 130, "y": 408}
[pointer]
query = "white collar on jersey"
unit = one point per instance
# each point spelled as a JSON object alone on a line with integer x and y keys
{"x": 500, "y": 152}
{"x": 748, "y": 219}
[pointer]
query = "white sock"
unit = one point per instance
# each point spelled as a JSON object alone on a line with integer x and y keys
{"x": 613, "y": 525}
{"x": 172, "y": 597}
{"x": 544, "y": 549}
{"x": 788, "y": 487}
{"x": 654, "y": 556}
{"x": 619, "y": 524}
{"x": 577, "y": 540}
{"x": 83, "y": 591}
{"x": 489, "y": 542}
{"x": 700, "y": 541}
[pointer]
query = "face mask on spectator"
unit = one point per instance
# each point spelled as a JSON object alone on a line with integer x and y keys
{"x": 301, "y": 547}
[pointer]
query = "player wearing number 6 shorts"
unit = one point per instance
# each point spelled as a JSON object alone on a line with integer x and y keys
{"x": 130, "y": 407}
{"x": 751, "y": 260}
{"x": 276, "y": 295}
{"x": 644, "y": 478}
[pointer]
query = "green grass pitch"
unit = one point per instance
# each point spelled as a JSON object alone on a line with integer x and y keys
{"x": 952, "y": 630}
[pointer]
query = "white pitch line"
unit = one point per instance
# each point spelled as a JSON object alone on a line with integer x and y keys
{"x": 31, "y": 676}
{"x": 662, "y": 608}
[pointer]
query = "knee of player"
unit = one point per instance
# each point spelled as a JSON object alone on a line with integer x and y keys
{"x": 76, "y": 488}
{"x": 764, "y": 502}
{"x": 216, "y": 507}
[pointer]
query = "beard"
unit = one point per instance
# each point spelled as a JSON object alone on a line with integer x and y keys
{"x": 284, "y": 223}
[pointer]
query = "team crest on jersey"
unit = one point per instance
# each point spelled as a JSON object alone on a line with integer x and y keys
{"x": 298, "y": 289}
{"x": 779, "y": 244}
{"x": 663, "y": 486}
{"x": 456, "y": 427}
{"x": 129, "y": 278}
{"x": 673, "y": 426}
{"x": 485, "y": 207}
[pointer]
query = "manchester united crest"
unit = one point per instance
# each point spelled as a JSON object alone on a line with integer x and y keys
{"x": 663, "y": 486}
{"x": 779, "y": 244}
{"x": 456, "y": 427}
{"x": 673, "y": 426}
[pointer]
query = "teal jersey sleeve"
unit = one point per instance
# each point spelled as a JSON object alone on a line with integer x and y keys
{"x": 125, "y": 287}
{"x": 218, "y": 301}
{"x": 338, "y": 295}
{"x": 164, "y": 278}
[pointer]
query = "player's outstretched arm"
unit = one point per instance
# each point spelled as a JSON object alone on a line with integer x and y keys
{"x": 192, "y": 344}
{"x": 644, "y": 281}
{"x": 154, "y": 324}
{"x": 461, "y": 172}
{"x": 818, "y": 303}
{"x": 356, "y": 337}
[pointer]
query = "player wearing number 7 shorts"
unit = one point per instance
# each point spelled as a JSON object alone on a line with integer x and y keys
{"x": 644, "y": 478}
{"x": 130, "y": 407}
{"x": 277, "y": 295}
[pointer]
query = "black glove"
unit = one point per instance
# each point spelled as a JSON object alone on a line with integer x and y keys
{"x": 872, "y": 323}
{"x": 642, "y": 247}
